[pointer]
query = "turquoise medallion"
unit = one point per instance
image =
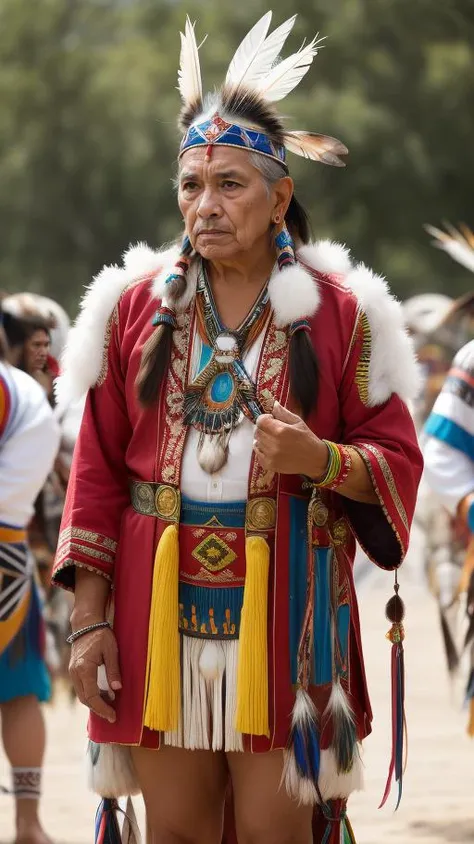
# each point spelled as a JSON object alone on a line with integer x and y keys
{"x": 222, "y": 388}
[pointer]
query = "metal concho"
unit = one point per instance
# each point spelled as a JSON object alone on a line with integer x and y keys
{"x": 261, "y": 514}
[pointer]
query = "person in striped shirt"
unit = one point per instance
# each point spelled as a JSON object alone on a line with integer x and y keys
{"x": 449, "y": 470}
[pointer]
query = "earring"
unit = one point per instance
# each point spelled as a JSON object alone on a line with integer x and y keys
{"x": 276, "y": 220}
{"x": 285, "y": 248}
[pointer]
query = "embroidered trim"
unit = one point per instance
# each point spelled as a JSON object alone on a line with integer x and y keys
{"x": 91, "y": 552}
{"x": 112, "y": 320}
{"x": 224, "y": 576}
{"x": 271, "y": 383}
{"x": 174, "y": 433}
{"x": 363, "y": 364}
{"x": 87, "y": 536}
{"x": 362, "y": 450}
{"x": 390, "y": 481}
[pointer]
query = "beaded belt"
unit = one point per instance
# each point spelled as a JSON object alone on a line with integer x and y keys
{"x": 165, "y": 502}
{"x": 160, "y": 500}
{"x": 212, "y": 559}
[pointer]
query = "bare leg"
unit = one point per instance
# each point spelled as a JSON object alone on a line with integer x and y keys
{"x": 264, "y": 814}
{"x": 24, "y": 738}
{"x": 184, "y": 793}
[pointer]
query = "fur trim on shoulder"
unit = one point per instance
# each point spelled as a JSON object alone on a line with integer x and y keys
{"x": 393, "y": 367}
{"x": 294, "y": 294}
{"x": 81, "y": 361}
{"x": 326, "y": 256}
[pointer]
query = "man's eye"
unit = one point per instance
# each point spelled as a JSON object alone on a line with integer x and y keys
{"x": 189, "y": 186}
{"x": 230, "y": 185}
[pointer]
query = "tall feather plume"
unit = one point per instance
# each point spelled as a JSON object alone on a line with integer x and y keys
{"x": 286, "y": 75}
{"x": 247, "y": 52}
{"x": 249, "y": 65}
{"x": 459, "y": 246}
{"x": 316, "y": 147}
{"x": 189, "y": 73}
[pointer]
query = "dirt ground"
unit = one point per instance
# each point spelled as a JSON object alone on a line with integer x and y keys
{"x": 438, "y": 802}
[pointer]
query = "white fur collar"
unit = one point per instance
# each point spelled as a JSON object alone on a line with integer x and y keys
{"x": 294, "y": 294}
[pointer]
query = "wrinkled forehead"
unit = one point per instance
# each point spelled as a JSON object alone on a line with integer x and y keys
{"x": 222, "y": 160}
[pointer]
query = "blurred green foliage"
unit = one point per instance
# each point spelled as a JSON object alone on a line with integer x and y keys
{"x": 88, "y": 139}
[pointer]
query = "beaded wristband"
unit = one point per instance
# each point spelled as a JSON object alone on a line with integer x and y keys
{"x": 82, "y": 632}
{"x": 339, "y": 466}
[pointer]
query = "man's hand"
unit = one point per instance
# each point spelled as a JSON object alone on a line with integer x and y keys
{"x": 284, "y": 443}
{"x": 99, "y": 647}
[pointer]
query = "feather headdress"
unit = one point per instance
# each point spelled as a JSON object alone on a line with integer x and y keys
{"x": 242, "y": 112}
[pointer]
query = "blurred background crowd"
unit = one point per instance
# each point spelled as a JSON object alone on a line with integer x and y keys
{"x": 88, "y": 144}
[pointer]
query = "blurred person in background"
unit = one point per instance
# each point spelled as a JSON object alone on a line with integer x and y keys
{"x": 439, "y": 326}
{"x": 29, "y": 439}
{"x": 200, "y": 488}
{"x": 36, "y": 328}
{"x": 449, "y": 470}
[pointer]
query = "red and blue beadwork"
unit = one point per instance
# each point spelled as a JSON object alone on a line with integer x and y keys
{"x": 285, "y": 249}
{"x": 218, "y": 132}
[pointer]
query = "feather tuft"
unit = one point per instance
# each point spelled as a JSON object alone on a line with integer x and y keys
{"x": 189, "y": 73}
{"x": 344, "y": 742}
{"x": 316, "y": 147}
{"x": 287, "y": 74}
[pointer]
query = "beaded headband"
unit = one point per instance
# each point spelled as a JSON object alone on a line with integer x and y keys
{"x": 217, "y": 132}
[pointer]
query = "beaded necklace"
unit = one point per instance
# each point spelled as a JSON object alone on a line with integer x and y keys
{"x": 222, "y": 391}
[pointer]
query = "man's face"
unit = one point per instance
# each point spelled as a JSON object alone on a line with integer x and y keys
{"x": 36, "y": 351}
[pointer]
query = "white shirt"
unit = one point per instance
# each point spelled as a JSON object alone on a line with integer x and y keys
{"x": 28, "y": 448}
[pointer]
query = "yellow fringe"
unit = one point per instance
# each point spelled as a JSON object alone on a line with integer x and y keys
{"x": 252, "y": 671}
{"x": 163, "y": 680}
{"x": 470, "y": 726}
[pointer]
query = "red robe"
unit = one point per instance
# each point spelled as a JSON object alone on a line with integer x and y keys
{"x": 120, "y": 442}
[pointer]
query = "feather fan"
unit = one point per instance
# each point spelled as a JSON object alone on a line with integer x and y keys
{"x": 316, "y": 147}
{"x": 287, "y": 74}
{"x": 255, "y": 57}
{"x": 459, "y": 245}
{"x": 189, "y": 73}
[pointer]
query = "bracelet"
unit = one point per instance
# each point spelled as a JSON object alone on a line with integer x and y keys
{"x": 339, "y": 466}
{"x": 82, "y": 632}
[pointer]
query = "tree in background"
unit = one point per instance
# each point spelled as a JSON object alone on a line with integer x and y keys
{"x": 88, "y": 134}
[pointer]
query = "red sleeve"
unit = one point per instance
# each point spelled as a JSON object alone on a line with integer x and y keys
{"x": 98, "y": 492}
{"x": 385, "y": 438}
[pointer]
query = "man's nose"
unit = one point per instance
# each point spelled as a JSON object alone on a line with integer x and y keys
{"x": 208, "y": 204}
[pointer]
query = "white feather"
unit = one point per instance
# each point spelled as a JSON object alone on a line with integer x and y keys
{"x": 264, "y": 58}
{"x": 286, "y": 75}
{"x": 244, "y": 57}
{"x": 189, "y": 73}
{"x": 457, "y": 245}
{"x": 460, "y": 252}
